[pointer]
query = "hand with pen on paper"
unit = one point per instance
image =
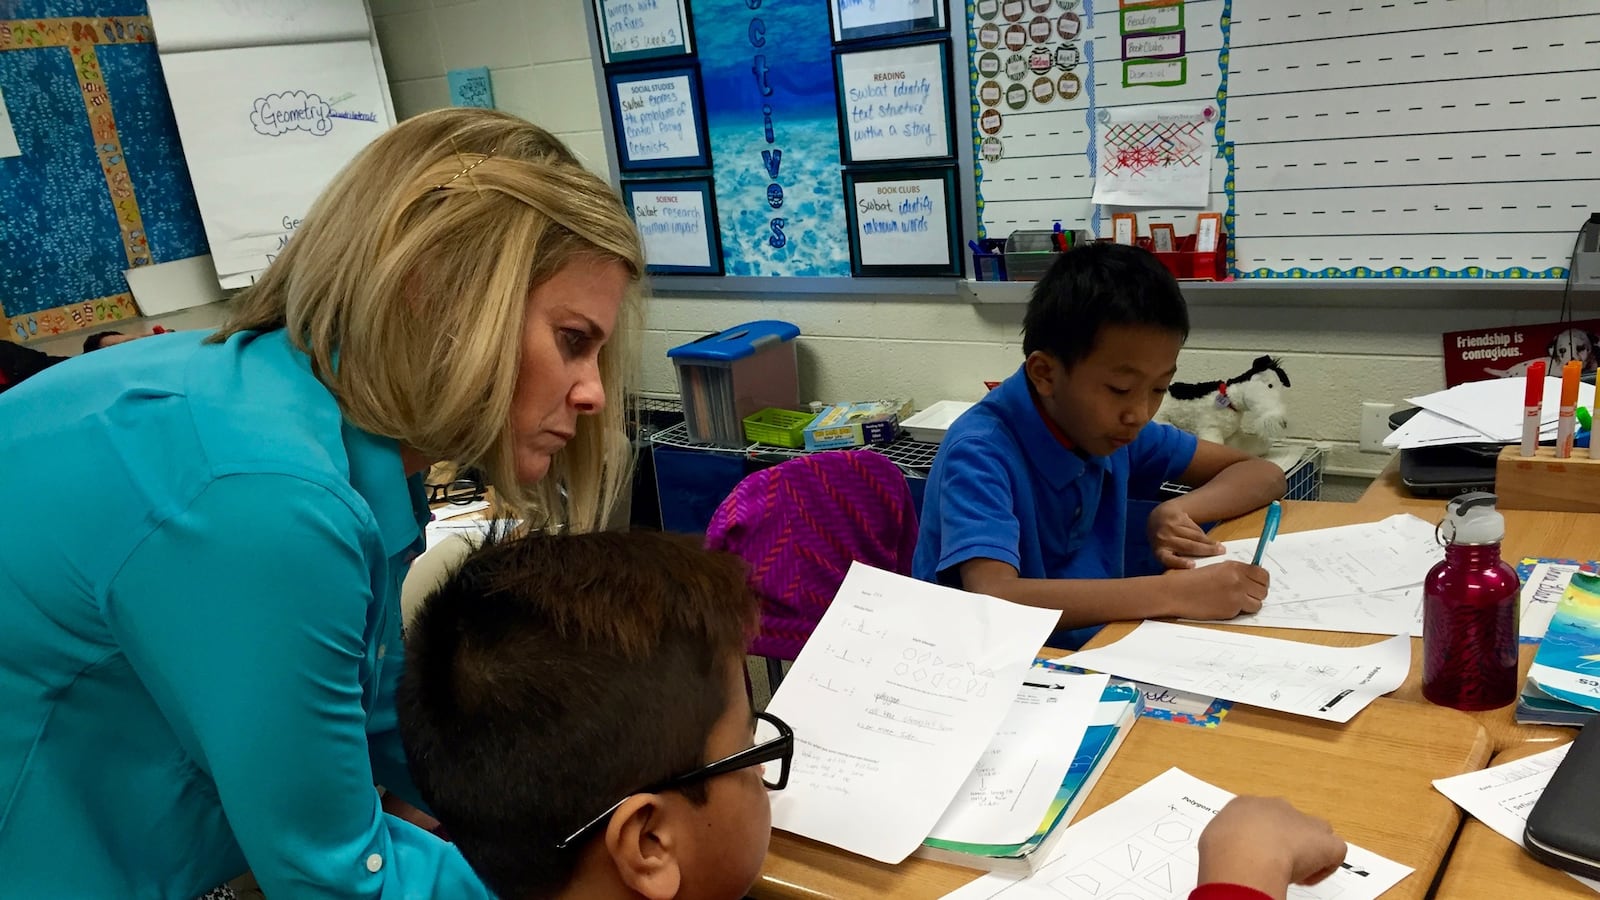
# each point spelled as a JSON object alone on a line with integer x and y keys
{"x": 1202, "y": 591}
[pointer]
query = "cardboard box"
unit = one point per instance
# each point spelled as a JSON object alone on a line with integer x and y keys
{"x": 856, "y": 424}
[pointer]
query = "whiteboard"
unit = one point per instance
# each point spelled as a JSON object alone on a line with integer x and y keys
{"x": 271, "y": 100}
{"x": 1412, "y": 139}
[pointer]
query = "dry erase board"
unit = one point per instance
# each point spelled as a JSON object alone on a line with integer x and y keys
{"x": 787, "y": 139}
{"x": 1347, "y": 138}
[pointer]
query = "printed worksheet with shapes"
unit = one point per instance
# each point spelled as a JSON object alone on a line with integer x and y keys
{"x": 1332, "y": 683}
{"x": 1502, "y": 796}
{"x": 1005, "y": 797}
{"x": 1144, "y": 847}
{"x": 893, "y": 701}
{"x": 1338, "y": 562}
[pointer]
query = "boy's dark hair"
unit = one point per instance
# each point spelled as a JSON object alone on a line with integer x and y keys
{"x": 1094, "y": 285}
{"x": 550, "y": 676}
{"x": 93, "y": 341}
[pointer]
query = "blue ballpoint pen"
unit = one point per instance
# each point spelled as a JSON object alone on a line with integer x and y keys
{"x": 1268, "y": 531}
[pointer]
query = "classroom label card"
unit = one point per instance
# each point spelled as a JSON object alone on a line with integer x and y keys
{"x": 893, "y": 700}
{"x": 1145, "y": 846}
{"x": 902, "y": 224}
{"x": 677, "y": 221}
{"x": 640, "y": 29}
{"x": 893, "y": 104}
{"x": 658, "y": 120}
{"x": 471, "y": 87}
{"x": 1155, "y": 155}
{"x": 856, "y": 19}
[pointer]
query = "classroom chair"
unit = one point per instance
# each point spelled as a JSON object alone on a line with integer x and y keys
{"x": 800, "y": 525}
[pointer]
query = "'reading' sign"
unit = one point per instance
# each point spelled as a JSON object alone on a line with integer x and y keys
{"x": 1507, "y": 352}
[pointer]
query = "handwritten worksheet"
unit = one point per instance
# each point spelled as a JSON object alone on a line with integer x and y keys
{"x": 1382, "y": 612}
{"x": 1338, "y": 562}
{"x": 1144, "y": 846}
{"x": 1008, "y": 792}
{"x": 1502, "y": 796}
{"x": 893, "y": 700}
{"x": 1332, "y": 683}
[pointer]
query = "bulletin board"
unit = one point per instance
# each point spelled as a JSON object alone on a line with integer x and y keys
{"x": 802, "y": 139}
{"x": 1420, "y": 139}
{"x": 92, "y": 176}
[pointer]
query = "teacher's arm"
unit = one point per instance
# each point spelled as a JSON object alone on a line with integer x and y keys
{"x": 244, "y": 614}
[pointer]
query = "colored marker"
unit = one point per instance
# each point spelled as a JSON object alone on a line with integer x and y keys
{"x": 1570, "y": 373}
{"x": 1268, "y": 531}
{"x": 1533, "y": 409}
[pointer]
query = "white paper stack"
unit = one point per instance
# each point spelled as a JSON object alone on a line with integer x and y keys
{"x": 1480, "y": 412}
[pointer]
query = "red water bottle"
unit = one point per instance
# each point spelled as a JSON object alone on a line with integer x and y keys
{"x": 1469, "y": 611}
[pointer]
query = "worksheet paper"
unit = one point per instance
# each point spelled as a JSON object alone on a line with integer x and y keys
{"x": 1338, "y": 562}
{"x": 1494, "y": 407}
{"x": 1332, "y": 683}
{"x": 1008, "y": 792}
{"x": 1502, "y": 796}
{"x": 893, "y": 700}
{"x": 1144, "y": 847}
{"x": 1382, "y": 612}
{"x": 1429, "y": 429}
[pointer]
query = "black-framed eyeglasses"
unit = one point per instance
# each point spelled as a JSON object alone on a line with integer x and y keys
{"x": 458, "y": 492}
{"x": 774, "y": 742}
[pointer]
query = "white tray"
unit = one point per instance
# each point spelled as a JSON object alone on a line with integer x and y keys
{"x": 930, "y": 425}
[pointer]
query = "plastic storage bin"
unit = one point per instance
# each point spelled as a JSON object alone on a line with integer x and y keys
{"x": 727, "y": 376}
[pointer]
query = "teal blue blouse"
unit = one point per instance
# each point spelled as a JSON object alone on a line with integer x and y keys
{"x": 200, "y": 567}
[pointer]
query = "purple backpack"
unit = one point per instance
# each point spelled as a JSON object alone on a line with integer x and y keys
{"x": 800, "y": 524}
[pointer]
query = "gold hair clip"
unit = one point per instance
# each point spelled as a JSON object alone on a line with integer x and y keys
{"x": 466, "y": 169}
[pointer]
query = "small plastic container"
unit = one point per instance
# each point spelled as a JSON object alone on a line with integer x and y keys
{"x": 929, "y": 425}
{"x": 778, "y": 427}
{"x": 728, "y": 375}
{"x": 1029, "y": 254}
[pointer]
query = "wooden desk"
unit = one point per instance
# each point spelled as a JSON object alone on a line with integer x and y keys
{"x": 1392, "y": 750}
{"x": 1528, "y": 533}
{"x": 1486, "y": 866}
{"x": 1386, "y": 491}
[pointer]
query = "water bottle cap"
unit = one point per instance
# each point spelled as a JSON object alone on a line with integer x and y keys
{"x": 1472, "y": 519}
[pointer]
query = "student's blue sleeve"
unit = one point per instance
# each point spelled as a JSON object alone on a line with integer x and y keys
{"x": 977, "y": 510}
{"x": 1159, "y": 454}
{"x": 244, "y": 615}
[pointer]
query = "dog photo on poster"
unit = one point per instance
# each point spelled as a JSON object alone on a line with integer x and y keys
{"x": 1508, "y": 351}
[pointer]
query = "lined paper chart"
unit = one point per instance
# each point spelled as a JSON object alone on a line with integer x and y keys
{"x": 1355, "y": 139}
{"x": 1439, "y": 139}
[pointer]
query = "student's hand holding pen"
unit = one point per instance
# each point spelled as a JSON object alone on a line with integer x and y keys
{"x": 1219, "y": 591}
{"x": 1176, "y": 538}
{"x": 1266, "y": 844}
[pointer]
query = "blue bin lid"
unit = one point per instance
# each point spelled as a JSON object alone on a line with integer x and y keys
{"x": 737, "y": 342}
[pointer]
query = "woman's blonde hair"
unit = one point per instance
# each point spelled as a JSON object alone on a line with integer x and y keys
{"x": 407, "y": 284}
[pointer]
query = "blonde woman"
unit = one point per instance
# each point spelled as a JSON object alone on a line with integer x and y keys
{"x": 200, "y": 627}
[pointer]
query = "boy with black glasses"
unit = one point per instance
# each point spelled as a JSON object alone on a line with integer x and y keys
{"x": 574, "y": 711}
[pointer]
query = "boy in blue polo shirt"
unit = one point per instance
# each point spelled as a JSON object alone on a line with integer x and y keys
{"x": 1028, "y": 497}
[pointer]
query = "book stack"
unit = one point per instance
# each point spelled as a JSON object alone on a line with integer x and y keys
{"x": 1119, "y": 706}
{"x": 1563, "y": 686}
